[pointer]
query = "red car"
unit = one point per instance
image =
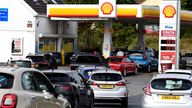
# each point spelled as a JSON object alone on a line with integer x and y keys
{"x": 122, "y": 64}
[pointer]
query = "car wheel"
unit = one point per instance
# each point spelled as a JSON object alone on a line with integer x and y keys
{"x": 136, "y": 70}
{"x": 91, "y": 104}
{"x": 124, "y": 72}
{"x": 149, "y": 68}
{"x": 124, "y": 103}
{"x": 75, "y": 103}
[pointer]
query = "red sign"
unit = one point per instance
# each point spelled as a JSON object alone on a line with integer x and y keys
{"x": 168, "y": 56}
{"x": 168, "y": 33}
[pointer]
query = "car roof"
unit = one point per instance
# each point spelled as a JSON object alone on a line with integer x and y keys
{"x": 58, "y": 71}
{"x": 106, "y": 71}
{"x": 176, "y": 76}
{"x": 179, "y": 71}
{"x": 14, "y": 70}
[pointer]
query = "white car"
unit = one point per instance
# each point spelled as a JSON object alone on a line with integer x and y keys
{"x": 168, "y": 90}
{"x": 109, "y": 85}
{"x": 29, "y": 88}
{"x": 178, "y": 71}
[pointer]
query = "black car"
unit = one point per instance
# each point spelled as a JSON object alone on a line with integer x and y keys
{"x": 75, "y": 88}
{"x": 87, "y": 59}
{"x": 43, "y": 60}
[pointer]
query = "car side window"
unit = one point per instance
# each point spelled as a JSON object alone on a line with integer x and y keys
{"x": 77, "y": 78}
{"x": 28, "y": 81}
{"x": 81, "y": 79}
{"x": 43, "y": 83}
{"x": 124, "y": 60}
{"x": 128, "y": 60}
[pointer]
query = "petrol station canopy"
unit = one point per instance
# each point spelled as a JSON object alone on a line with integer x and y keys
{"x": 148, "y": 12}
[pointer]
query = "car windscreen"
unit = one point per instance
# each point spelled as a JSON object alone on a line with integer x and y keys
{"x": 21, "y": 63}
{"x": 88, "y": 59}
{"x": 37, "y": 58}
{"x": 106, "y": 77}
{"x": 188, "y": 55}
{"x": 114, "y": 59}
{"x": 171, "y": 84}
{"x": 56, "y": 55}
{"x": 57, "y": 77}
{"x": 136, "y": 56}
{"x": 6, "y": 81}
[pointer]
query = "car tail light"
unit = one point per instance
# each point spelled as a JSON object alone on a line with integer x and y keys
{"x": 121, "y": 84}
{"x": 148, "y": 90}
{"x": 9, "y": 101}
{"x": 67, "y": 88}
{"x": 145, "y": 57}
{"x": 94, "y": 84}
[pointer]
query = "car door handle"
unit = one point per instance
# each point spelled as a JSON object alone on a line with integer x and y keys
{"x": 33, "y": 97}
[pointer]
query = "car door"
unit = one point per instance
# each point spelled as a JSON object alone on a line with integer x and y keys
{"x": 45, "y": 93}
{"x": 82, "y": 89}
{"x": 131, "y": 65}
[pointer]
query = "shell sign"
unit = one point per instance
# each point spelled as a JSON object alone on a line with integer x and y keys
{"x": 169, "y": 11}
{"x": 107, "y": 8}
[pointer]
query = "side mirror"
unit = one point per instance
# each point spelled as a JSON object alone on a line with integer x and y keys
{"x": 144, "y": 88}
{"x": 58, "y": 89}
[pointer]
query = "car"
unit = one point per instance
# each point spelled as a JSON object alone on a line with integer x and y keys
{"x": 86, "y": 71}
{"x": 20, "y": 62}
{"x": 109, "y": 86}
{"x": 84, "y": 58}
{"x": 75, "y": 88}
{"x": 144, "y": 59}
{"x": 171, "y": 90}
{"x": 122, "y": 64}
{"x": 43, "y": 60}
{"x": 188, "y": 59}
{"x": 29, "y": 88}
{"x": 57, "y": 57}
{"x": 178, "y": 71}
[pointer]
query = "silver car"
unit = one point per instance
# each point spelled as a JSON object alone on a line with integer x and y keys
{"x": 168, "y": 90}
{"x": 109, "y": 85}
{"x": 28, "y": 88}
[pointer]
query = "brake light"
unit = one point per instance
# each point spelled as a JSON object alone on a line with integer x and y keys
{"x": 145, "y": 57}
{"x": 9, "y": 101}
{"x": 67, "y": 88}
{"x": 121, "y": 84}
{"x": 148, "y": 90}
{"x": 94, "y": 84}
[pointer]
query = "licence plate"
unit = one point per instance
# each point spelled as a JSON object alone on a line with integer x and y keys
{"x": 170, "y": 97}
{"x": 106, "y": 86}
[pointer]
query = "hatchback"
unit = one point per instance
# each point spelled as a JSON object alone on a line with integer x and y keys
{"x": 28, "y": 88}
{"x": 76, "y": 90}
{"x": 109, "y": 85}
{"x": 171, "y": 90}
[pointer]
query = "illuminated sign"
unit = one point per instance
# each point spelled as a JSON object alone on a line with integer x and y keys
{"x": 107, "y": 8}
{"x": 169, "y": 11}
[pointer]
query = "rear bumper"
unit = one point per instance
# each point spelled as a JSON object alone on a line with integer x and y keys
{"x": 147, "y": 102}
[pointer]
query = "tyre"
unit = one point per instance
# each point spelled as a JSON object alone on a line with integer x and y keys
{"x": 136, "y": 70}
{"x": 149, "y": 68}
{"x": 75, "y": 103}
{"x": 91, "y": 104}
{"x": 124, "y": 102}
{"x": 124, "y": 72}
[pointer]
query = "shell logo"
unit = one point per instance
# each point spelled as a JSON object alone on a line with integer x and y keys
{"x": 107, "y": 8}
{"x": 169, "y": 11}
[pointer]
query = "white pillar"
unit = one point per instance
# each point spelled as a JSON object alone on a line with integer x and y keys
{"x": 141, "y": 36}
{"x": 60, "y": 32}
{"x": 107, "y": 38}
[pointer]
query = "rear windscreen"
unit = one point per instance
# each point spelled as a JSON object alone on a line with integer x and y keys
{"x": 114, "y": 59}
{"x": 106, "y": 77}
{"x": 37, "y": 58}
{"x": 88, "y": 59}
{"x": 171, "y": 84}
{"x": 136, "y": 56}
{"x": 57, "y": 77}
{"x": 6, "y": 81}
{"x": 22, "y": 63}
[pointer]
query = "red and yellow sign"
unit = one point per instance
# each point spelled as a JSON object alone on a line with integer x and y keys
{"x": 107, "y": 8}
{"x": 169, "y": 11}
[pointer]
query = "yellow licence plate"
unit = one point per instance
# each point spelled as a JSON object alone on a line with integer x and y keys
{"x": 170, "y": 97}
{"x": 106, "y": 86}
